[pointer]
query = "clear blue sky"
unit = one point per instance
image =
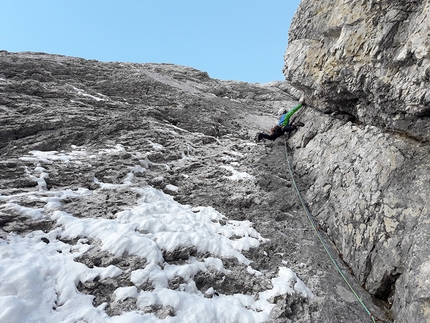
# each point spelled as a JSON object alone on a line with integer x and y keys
{"x": 240, "y": 40}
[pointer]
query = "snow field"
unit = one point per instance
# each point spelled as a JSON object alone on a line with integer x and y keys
{"x": 40, "y": 273}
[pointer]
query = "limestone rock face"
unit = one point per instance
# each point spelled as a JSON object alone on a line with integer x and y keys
{"x": 369, "y": 190}
{"x": 363, "y": 153}
{"x": 370, "y": 59}
{"x": 84, "y": 138}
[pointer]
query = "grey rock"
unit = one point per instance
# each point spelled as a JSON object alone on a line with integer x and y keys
{"x": 183, "y": 128}
{"x": 363, "y": 153}
{"x": 368, "y": 59}
{"x": 368, "y": 189}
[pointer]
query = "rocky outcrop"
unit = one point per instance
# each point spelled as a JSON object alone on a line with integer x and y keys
{"x": 369, "y": 59}
{"x": 363, "y": 155}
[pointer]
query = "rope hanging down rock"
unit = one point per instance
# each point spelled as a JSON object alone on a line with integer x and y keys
{"x": 320, "y": 237}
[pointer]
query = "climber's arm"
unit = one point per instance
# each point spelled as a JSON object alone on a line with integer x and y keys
{"x": 285, "y": 119}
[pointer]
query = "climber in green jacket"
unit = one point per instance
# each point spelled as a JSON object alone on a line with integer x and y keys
{"x": 283, "y": 125}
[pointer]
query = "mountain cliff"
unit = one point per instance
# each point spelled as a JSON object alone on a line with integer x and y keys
{"x": 84, "y": 143}
{"x": 368, "y": 63}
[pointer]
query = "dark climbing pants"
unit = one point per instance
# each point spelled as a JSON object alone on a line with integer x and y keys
{"x": 278, "y": 132}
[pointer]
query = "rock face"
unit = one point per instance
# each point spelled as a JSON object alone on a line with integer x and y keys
{"x": 363, "y": 154}
{"x": 191, "y": 136}
{"x": 369, "y": 59}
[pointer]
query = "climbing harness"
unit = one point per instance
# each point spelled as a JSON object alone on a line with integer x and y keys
{"x": 318, "y": 232}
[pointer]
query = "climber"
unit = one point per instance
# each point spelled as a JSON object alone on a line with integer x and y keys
{"x": 283, "y": 125}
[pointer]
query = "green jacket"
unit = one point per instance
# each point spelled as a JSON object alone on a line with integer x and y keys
{"x": 285, "y": 118}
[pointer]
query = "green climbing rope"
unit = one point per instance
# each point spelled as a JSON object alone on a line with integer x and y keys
{"x": 320, "y": 237}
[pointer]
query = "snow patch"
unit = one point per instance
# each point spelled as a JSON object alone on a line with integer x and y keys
{"x": 237, "y": 176}
{"x": 40, "y": 273}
